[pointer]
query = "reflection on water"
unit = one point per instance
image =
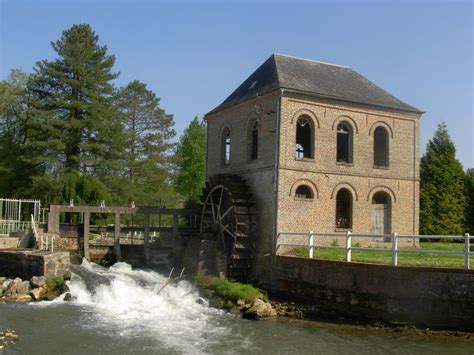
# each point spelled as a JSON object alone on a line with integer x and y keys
{"x": 118, "y": 310}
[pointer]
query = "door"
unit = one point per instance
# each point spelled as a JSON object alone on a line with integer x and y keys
{"x": 380, "y": 219}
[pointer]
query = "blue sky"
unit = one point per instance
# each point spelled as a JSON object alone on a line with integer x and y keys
{"x": 193, "y": 54}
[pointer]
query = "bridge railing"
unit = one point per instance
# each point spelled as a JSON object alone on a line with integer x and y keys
{"x": 394, "y": 238}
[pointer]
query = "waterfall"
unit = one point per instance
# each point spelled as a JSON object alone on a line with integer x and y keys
{"x": 125, "y": 301}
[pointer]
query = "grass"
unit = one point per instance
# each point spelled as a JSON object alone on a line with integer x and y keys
{"x": 385, "y": 258}
{"x": 228, "y": 291}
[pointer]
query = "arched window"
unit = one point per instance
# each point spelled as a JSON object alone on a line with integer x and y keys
{"x": 303, "y": 191}
{"x": 254, "y": 140}
{"x": 226, "y": 146}
{"x": 304, "y": 138}
{"x": 343, "y": 209}
{"x": 381, "y": 148}
{"x": 344, "y": 142}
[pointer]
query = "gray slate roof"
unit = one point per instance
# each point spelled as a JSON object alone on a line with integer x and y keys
{"x": 310, "y": 77}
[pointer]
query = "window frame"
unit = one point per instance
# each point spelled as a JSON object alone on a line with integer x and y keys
{"x": 350, "y": 143}
{"x": 311, "y": 141}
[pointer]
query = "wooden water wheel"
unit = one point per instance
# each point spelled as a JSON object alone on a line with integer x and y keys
{"x": 227, "y": 218}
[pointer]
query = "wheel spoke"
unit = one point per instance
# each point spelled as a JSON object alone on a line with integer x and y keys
{"x": 212, "y": 207}
{"x": 220, "y": 199}
{"x": 225, "y": 214}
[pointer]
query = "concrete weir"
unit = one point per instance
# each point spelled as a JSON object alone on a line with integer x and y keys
{"x": 28, "y": 263}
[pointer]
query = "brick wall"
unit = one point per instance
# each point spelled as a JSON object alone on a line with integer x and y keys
{"x": 400, "y": 181}
{"x": 325, "y": 177}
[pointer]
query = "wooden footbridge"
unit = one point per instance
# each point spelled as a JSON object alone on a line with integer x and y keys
{"x": 175, "y": 230}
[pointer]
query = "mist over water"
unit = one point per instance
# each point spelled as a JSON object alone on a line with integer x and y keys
{"x": 119, "y": 310}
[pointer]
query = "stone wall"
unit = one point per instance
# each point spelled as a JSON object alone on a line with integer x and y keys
{"x": 26, "y": 264}
{"x": 430, "y": 297}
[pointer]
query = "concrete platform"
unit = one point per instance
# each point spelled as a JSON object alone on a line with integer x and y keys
{"x": 25, "y": 263}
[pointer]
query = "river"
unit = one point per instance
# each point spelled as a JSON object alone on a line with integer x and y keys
{"x": 119, "y": 311}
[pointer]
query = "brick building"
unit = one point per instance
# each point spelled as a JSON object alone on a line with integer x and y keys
{"x": 321, "y": 147}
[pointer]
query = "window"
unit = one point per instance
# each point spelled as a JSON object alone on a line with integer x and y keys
{"x": 381, "y": 147}
{"x": 226, "y": 146}
{"x": 344, "y": 142}
{"x": 254, "y": 141}
{"x": 344, "y": 209}
{"x": 303, "y": 191}
{"x": 304, "y": 138}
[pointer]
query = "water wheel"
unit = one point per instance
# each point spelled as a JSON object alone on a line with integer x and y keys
{"x": 227, "y": 218}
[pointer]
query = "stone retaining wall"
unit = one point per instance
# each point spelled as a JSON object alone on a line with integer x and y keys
{"x": 26, "y": 264}
{"x": 431, "y": 297}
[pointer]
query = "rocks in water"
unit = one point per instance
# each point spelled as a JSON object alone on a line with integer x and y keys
{"x": 8, "y": 337}
{"x": 38, "y": 281}
{"x": 38, "y": 288}
{"x": 67, "y": 297}
{"x": 259, "y": 309}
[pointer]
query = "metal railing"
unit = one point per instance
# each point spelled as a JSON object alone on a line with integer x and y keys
{"x": 46, "y": 242}
{"x": 394, "y": 250}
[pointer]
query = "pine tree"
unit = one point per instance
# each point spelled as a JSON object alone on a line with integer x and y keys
{"x": 148, "y": 131}
{"x": 76, "y": 124}
{"x": 442, "y": 196}
{"x": 191, "y": 162}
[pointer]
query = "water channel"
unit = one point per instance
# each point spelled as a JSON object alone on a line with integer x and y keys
{"x": 118, "y": 311}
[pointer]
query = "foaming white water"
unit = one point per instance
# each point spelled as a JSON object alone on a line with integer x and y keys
{"x": 126, "y": 301}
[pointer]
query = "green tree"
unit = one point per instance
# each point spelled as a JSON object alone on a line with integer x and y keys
{"x": 17, "y": 162}
{"x": 191, "y": 162}
{"x": 77, "y": 128}
{"x": 148, "y": 131}
{"x": 83, "y": 189}
{"x": 470, "y": 198}
{"x": 442, "y": 193}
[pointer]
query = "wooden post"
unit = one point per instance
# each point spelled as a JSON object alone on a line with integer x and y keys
{"x": 146, "y": 236}
{"x": 348, "y": 246}
{"x": 466, "y": 251}
{"x": 86, "y": 235}
{"x": 310, "y": 244}
{"x": 118, "y": 253}
{"x": 53, "y": 219}
{"x": 394, "y": 249}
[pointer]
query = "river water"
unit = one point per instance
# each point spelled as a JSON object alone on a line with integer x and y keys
{"x": 121, "y": 311}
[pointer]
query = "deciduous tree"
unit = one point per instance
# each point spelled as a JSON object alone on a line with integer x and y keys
{"x": 191, "y": 162}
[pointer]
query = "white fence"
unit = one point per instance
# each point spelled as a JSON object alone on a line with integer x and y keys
{"x": 394, "y": 250}
{"x": 15, "y": 213}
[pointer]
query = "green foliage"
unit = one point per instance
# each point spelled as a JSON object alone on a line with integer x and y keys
{"x": 470, "y": 198}
{"x": 16, "y": 165}
{"x": 83, "y": 189}
{"x": 76, "y": 125}
{"x": 55, "y": 286}
{"x": 65, "y": 129}
{"x": 146, "y": 159}
{"x": 191, "y": 162}
{"x": 442, "y": 192}
{"x": 229, "y": 290}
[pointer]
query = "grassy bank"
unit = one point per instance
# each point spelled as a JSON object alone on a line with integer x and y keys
{"x": 227, "y": 294}
{"x": 385, "y": 258}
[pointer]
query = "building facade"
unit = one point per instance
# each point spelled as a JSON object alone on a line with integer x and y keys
{"x": 322, "y": 149}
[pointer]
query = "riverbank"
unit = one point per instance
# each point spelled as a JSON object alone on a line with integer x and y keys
{"x": 252, "y": 303}
{"x": 293, "y": 312}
